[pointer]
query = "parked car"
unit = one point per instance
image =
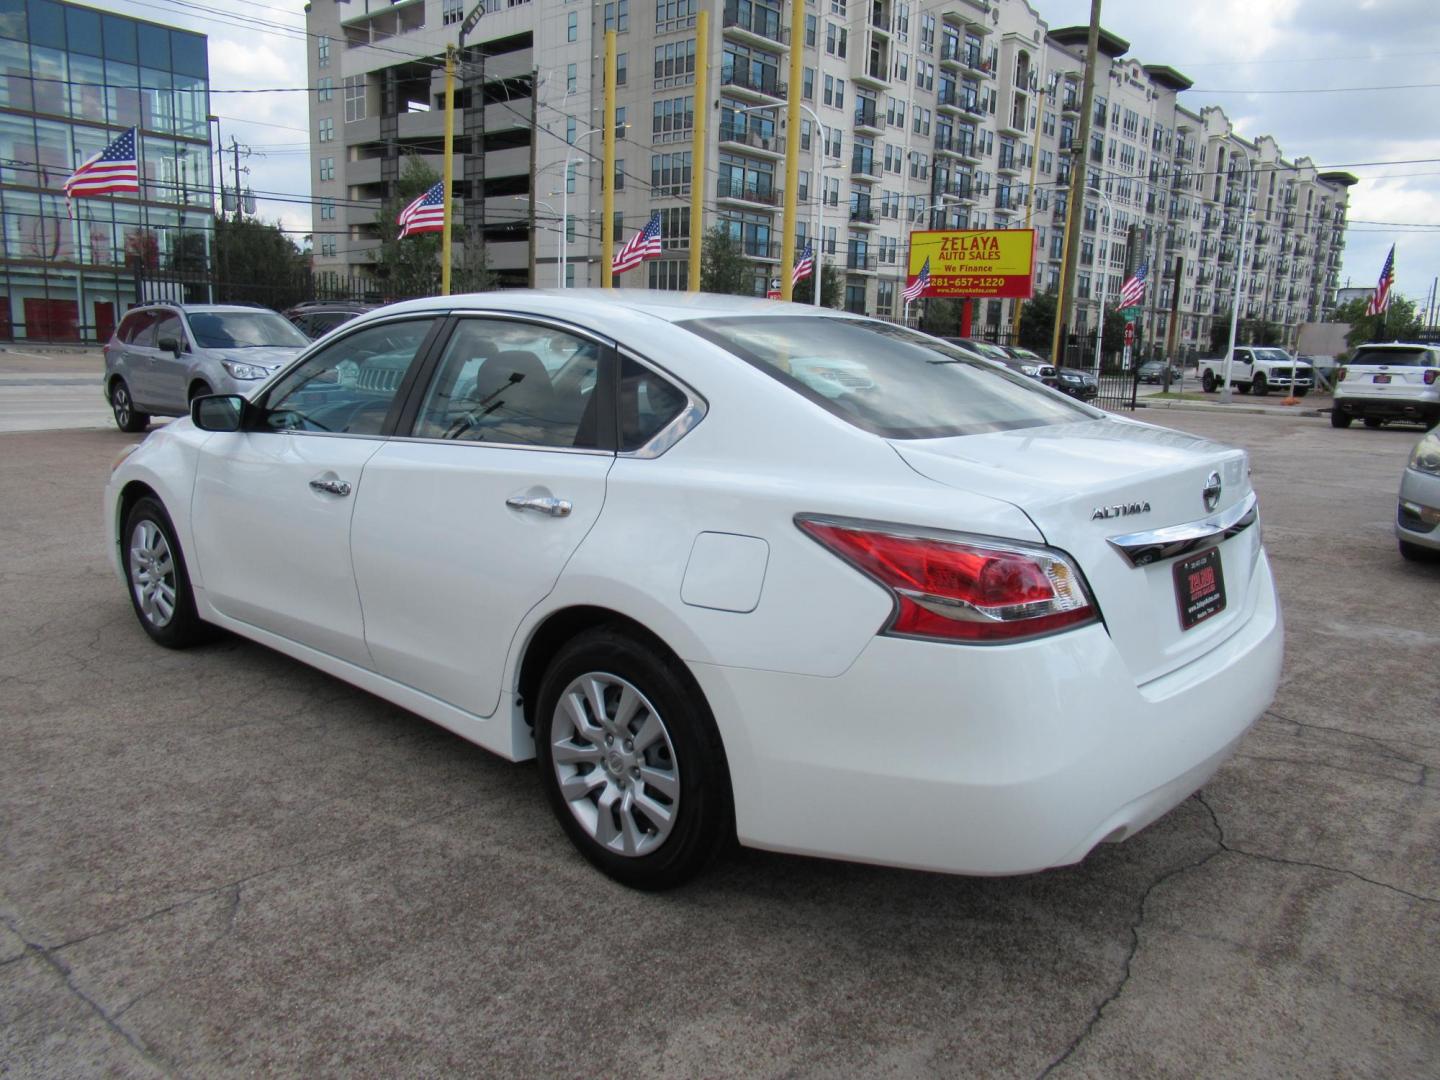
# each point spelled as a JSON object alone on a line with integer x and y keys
{"x": 1390, "y": 381}
{"x": 1417, "y": 521}
{"x": 1153, "y": 371}
{"x": 949, "y": 621}
{"x": 1016, "y": 359}
{"x": 316, "y": 318}
{"x": 1258, "y": 370}
{"x": 163, "y": 356}
{"x": 1077, "y": 383}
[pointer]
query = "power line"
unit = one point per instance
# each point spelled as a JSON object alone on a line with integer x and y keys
{"x": 1325, "y": 89}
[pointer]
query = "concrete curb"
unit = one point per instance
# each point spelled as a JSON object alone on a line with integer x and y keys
{"x": 1254, "y": 410}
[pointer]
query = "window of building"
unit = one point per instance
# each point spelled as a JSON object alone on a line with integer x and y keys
{"x": 572, "y": 26}
{"x": 619, "y": 174}
{"x": 354, "y": 98}
{"x": 570, "y": 130}
{"x": 927, "y": 33}
{"x": 810, "y": 22}
{"x": 327, "y": 168}
{"x": 570, "y": 177}
{"x": 622, "y": 68}
{"x": 671, "y": 274}
{"x": 670, "y": 174}
{"x": 569, "y": 228}
{"x": 325, "y": 88}
{"x": 675, "y": 228}
{"x": 327, "y": 209}
{"x": 836, "y": 40}
{"x": 452, "y": 11}
{"x": 675, "y": 63}
{"x": 571, "y": 78}
{"x": 674, "y": 15}
{"x": 327, "y": 129}
{"x": 617, "y": 16}
{"x": 673, "y": 118}
{"x": 807, "y": 85}
{"x": 322, "y": 51}
{"x": 327, "y": 244}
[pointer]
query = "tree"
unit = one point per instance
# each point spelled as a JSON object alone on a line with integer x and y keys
{"x": 258, "y": 263}
{"x": 1247, "y": 332}
{"x": 940, "y": 315}
{"x": 1037, "y": 323}
{"x": 723, "y": 266}
{"x": 832, "y": 291}
{"x": 410, "y": 266}
{"x": 1397, "y": 324}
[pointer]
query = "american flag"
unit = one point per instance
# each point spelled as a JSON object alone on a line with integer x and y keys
{"x": 113, "y": 169}
{"x": 921, "y": 282}
{"x": 425, "y": 214}
{"x": 1132, "y": 293}
{"x": 645, "y": 244}
{"x": 804, "y": 266}
{"x": 1381, "y": 300}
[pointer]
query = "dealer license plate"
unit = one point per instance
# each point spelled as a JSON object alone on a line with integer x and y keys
{"x": 1382, "y": 378}
{"x": 1199, "y": 587}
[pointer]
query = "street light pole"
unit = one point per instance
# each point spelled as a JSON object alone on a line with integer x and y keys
{"x": 1104, "y": 281}
{"x": 1225, "y": 394}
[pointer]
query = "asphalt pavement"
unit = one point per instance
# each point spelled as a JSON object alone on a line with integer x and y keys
{"x": 223, "y": 863}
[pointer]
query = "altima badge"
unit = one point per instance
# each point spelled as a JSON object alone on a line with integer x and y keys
{"x": 1211, "y": 491}
{"x": 1104, "y": 513}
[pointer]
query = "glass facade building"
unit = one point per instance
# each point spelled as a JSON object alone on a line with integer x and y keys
{"x": 72, "y": 79}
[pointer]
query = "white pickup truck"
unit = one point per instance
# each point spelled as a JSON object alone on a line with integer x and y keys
{"x": 1258, "y": 370}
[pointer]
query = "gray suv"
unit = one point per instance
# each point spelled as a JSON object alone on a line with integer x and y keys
{"x": 162, "y": 356}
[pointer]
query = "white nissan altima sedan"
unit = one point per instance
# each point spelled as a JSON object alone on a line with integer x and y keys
{"x": 729, "y": 567}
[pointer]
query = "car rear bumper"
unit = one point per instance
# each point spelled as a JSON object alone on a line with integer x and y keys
{"x": 985, "y": 760}
{"x": 1424, "y": 408}
{"x": 1417, "y": 517}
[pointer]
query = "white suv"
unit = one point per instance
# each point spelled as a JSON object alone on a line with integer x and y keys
{"x": 1390, "y": 381}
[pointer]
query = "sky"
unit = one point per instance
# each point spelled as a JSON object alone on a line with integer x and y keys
{"x": 1274, "y": 66}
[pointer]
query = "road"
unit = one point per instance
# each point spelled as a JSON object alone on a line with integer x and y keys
{"x": 53, "y": 389}
{"x": 222, "y": 863}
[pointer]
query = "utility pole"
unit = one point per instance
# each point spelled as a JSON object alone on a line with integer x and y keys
{"x": 697, "y": 182}
{"x": 448, "y": 171}
{"x": 792, "y": 157}
{"x": 235, "y": 156}
{"x": 1081, "y": 153}
{"x": 607, "y": 180}
{"x": 534, "y": 132}
{"x": 1225, "y": 394}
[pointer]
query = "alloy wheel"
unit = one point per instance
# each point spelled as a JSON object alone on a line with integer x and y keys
{"x": 120, "y": 401}
{"x": 152, "y": 573}
{"x": 615, "y": 764}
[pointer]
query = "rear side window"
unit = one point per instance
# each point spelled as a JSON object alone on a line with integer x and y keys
{"x": 134, "y": 328}
{"x": 648, "y": 403}
{"x": 1393, "y": 357}
{"x": 889, "y": 380}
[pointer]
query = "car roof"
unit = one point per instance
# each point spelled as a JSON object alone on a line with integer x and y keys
{"x": 655, "y": 303}
{"x": 193, "y": 309}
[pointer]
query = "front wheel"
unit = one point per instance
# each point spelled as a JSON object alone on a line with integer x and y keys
{"x": 1340, "y": 419}
{"x": 1260, "y": 387}
{"x": 631, "y": 761}
{"x": 1207, "y": 382}
{"x": 1416, "y": 553}
{"x": 159, "y": 584}
{"x": 123, "y": 406}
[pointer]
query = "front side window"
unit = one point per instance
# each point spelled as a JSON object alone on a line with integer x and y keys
{"x": 350, "y": 386}
{"x": 886, "y": 379}
{"x": 515, "y": 383}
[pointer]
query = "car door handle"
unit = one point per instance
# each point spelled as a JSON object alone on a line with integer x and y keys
{"x": 331, "y": 487}
{"x": 541, "y": 505}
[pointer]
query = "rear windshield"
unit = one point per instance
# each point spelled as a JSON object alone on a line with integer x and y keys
{"x": 1393, "y": 357}
{"x": 887, "y": 379}
{"x": 243, "y": 330}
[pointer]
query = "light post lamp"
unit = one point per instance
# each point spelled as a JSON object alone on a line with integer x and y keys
{"x": 560, "y": 237}
{"x": 818, "y": 244}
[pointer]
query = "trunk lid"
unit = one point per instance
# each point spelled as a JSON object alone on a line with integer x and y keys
{"x": 1084, "y": 483}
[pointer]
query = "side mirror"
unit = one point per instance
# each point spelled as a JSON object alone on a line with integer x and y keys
{"x": 219, "y": 412}
{"x": 170, "y": 345}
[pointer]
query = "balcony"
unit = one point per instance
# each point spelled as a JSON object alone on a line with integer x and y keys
{"x": 1009, "y": 161}
{"x": 962, "y": 189}
{"x": 864, "y": 167}
{"x": 1070, "y": 103}
{"x": 772, "y": 145}
{"x": 863, "y": 216}
{"x": 861, "y": 261}
{"x": 765, "y": 86}
{"x": 950, "y": 98}
{"x": 880, "y": 17}
{"x": 874, "y": 71}
{"x": 755, "y": 22}
{"x": 867, "y": 115}
{"x": 755, "y": 194}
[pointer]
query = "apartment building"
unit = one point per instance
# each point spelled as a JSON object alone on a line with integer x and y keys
{"x": 957, "y": 114}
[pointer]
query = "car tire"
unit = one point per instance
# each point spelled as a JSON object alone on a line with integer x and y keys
{"x": 122, "y": 405}
{"x": 1300, "y": 392}
{"x": 631, "y": 761}
{"x": 1207, "y": 382}
{"x": 157, "y": 580}
{"x": 199, "y": 389}
{"x": 1416, "y": 553}
{"x": 1340, "y": 419}
{"x": 1242, "y": 387}
{"x": 1373, "y": 421}
{"x": 1260, "y": 386}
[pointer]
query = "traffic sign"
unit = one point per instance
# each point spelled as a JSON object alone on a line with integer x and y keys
{"x": 1130, "y": 313}
{"x": 1129, "y": 333}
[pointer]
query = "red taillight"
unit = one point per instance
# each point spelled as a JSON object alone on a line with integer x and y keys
{"x": 1340, "y": 374}
{"x": 960, "y": 589}
{"x": 1430, "y": 377}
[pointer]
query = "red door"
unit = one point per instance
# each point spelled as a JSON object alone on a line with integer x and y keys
{"x": 51, "y": 320}
{"x": 104, "y": 320}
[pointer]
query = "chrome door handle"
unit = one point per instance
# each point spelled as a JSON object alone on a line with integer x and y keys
{"x": 331, "y": 487}
{"x": 547, "y": 505}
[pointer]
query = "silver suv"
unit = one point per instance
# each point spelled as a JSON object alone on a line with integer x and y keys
{"x": 1389, "y": 381}
{"x": 162, "y": 356}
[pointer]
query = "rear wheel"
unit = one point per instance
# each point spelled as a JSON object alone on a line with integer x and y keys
{"x": 1242, "y": 387}
{"x": 123, "y": 406}
{"x": 1373, "y": 421}
{"x": 1207, "y": 382}
{"x": 1260, "y": 387}
{"x": 159, "y": 584}
{"x": 1340, "y": 419}
{"x": 631, "y": 761}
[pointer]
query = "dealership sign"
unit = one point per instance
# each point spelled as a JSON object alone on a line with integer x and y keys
{"x": 975, "y": 262}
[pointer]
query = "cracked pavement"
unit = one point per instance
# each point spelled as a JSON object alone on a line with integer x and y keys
{"x": 223, "y": 863}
